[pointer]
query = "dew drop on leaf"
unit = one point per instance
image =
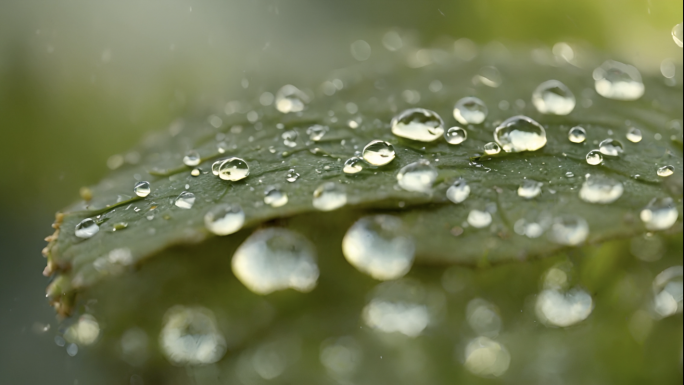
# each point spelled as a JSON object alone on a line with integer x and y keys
{"x": 594, "y": 157}
{"x": 378, "y": 153}
{"x": 520, "y": 133}
{"x": 470, "y": 110}
{"x": 634, "y": 135}
{"x": 185, "y": 200}
{"x": 600, "y": 189}
{"x": 666, "y": 171}
{"x": 353, "y": 165}
{"x": 418, "y": 124}
{"x": 142, "y": 189}
{"x": 459, "y": 191}
{"x": 191, "y": 158}
{"x": 455, "y": 135}
{"x": 529, "y": 189}
{"x": 659, "y": 214}
{"x": 86, "y": 228}
{"x": 224, "y": 219}
{"x": 577, "y": 134}
{"x": 492, "y": 148}
{"x": 618, "y": 81}
{"x": 479, "y": 219}
{"x": 611, "y": 147}
{"x": 275, "y": 197}
{"x": 417, "y": 177}
{"x": 233, "y": 169}
{"x": 554, "y": 98}
{"x": 329, "y": 196}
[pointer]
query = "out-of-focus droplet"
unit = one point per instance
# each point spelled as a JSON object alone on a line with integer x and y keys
{"x": 529, "y": 189}
{"x": 224, "y": 219}
{"x": 353, "y": 165}
{"x": 361, "y": 50}
{"x": 492, "y": 148}
{"x": 601, "y": 190}
{"x": 84, "y": 331}
{"x": 470, "y": 110}
{"x": 459, "y": 191}
{"x": 554, "y": 98}
{"x": 455, "y": 135}
{"x": 290, "y": 99}
{"x": 191, "y": 158}
{"x": 677, "y": 35}
{"x": 292, "y": 176}
{"x": 392, "y": 41}
{"x": 648, "y": 248}
{"x": 594, "y": 157}
{"x": 667, "y": 292}
{"x": 378, "y": 153}
{"x": 417, "y": 177}
{"x": 666, "y": 171}
{"x": 483, "y": 317}
{"x": 489, "y": 76}
{"x": 659, "y": 214}
{"x": 611, "y": 147}
{"x": 619, "y": 81}
{"x": 317, "y": 132}
{"x": 86, "y": 228}
{"x": 185, "y": 200}
{"x": 233, "y": 169}
{"x": 142, "y": 189}
{"x": 379, "y": 246}
{"x": 479, "y": 219}
{"x": 276, "y": 259}
{"x": 418, "y": 124}
{"x": 399, "y": 307}
{"x": 634, "y": 135}
{"x": 577, "y": 134}
{"x": 275, "y": 197}
{"x": 290, "y": 138}
{"x": 520, "y": 133}
{"x": 341, "y": 357}
{"x": 216, "y": 166}
{"x": 486, "y": 358}
{"x": 329, "y": 196}
{"x": 557, "y": 308}
{"x": 569, "y": 230}
{"x": 190, "y": 336}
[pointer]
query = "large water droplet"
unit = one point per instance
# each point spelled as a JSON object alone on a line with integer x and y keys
{"x": 479, "y": 219}
{"x": 290, "y": 99}
{"x": 233, "y": 169}
{"x": 353, "y": 165}
{"x": 190, "y": 336}
{"x": 569, "y": 230}
{"x": 317, "y": 132}
{"x": 619, "y": 81}
{"x": 611, "y": 147}
{"x": 520, "y": 133}
{"x": 275, "y": 197}
{"x": 142, "y": 189}
{"x": 191, "y": 158}
{"x": 668, "y": 288}
{"x": 398, "y": 307}
{"x": 554, "y": 98}
{"x": 577, "y": 134}
{"x": 418, "y": 124}
{"x": 459, "y": 191}
{"x": 563, "y": 309}
{"x": 276, "y": 259}
{"x": 86, "y": 228}
{"x": 185, "y": 200}
{"x": 529, "y": 189}
{"x": 329, "y": 196}
{"x": 380, "y": 247}
{"x": 634, "y": 135}
{"x": 456, "y": 135}
{"x": 492, "y": 148}
{"x": 666, "y": 171}
{"x": 224, "y": 219}
{"x": 600, "y": 189}
{"x": 417, "y": 177}
{"x": 594, "y": 157}
{"x": 486, "y": 358}
{"x": 677, "y": 35}
{"x": 292, "y": 176}
{"x": 470, "y": 110}
{"x": 659, "y": 214}
{"x": 378, "y": 153}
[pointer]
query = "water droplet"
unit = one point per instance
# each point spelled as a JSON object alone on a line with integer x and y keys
{"x": 483, "y": 317}
{"x": 577, "y": 134}
{"x": 216, "y": 166}
{"x": 380, "y": 247}
{"x": 233, "y": 169}
{"x": 492, "y": 148}
{"x": 667, "y": 290}
{"x": 489, "y": 76}
{"x": 317, "y": 132}
{"x": 290, "y": 99}
{"x": 486, "y": 358}
{"x": 191, "y": 158}
{"x": 84, "y": 331}
{"x": 418, "y": 124}
{"x": 529, "y": 189}
{"x": 86, "y": 228}
{"x": 531, "y": 230}
{"x": 659, "y": 214}
{"x": 190, "y": 336}
{"x": 276, "y": 259}
{"x": 459, "y": 191}
{"x": 600, "y": 189}
{"x": 185, "y": 200}
{"x": 353, "y": 165}
{"x": 292, "y": 176}
{"x": 619, "y": 81}
{"x": 361, "y": 50}
{"x": 563, "y": 309}
{"x": 417, "y": 177}
{"x": 554, "y": 98}
{"x": 275, "y": 197}
{"x": 456, "y": 135}
{"x": 611, "y": 147}
{"x": 142, "y": 189}
{"x": 341, "y": 357}
{"x": 470, "y": 110}
{"x": 594, "y": 157}
{"x": 196, "y": 172}
{"x": 634, "y": 135}
{"x": 224, "y": 219}
{"x": 329, "y": 196}
{"x": 378, "y": 153}
{"x": 569, "y": 230}
{"x": 479, "y": 219}
{"x": 520, "y": 133}
{"x": 666, "y": 171}
{"x": 398, "y": 307}
{"x": 677, "y": 35}
{"x": 290, "y": 138}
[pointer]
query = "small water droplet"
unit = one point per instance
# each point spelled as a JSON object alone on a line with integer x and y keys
{"x": 611, "y": 147}
{"x": 489, "y": 76}
{"x": 677, "y": 35}
{"x": 459, "y": 191}
{"x": 224, "y": 219}
{"x": 380, "y": 247}
{"x": 486, "y": 358}
{"x": 594, "y": 157}
{"x": 292, "y": 176}
{"x": 142, "y": 189}
{"x": 479, "y": 219}
{"x": 577, "y": 134}
{"x": 456, "y": 135}
{"x": 190, "y": 336}
{"x": 417, "y": 177}
{"x": 353, "y": 165}
{"x": 290, "y": 99}
{"x": 529, "y": 189}
{"x": 418, "y": 124}
{"x": 290, "y": 138}
{"x": 601, "y": 190}
{"x": 634, "y": 135}
{"x": 667, "y": 292}
{"x": 619, "y": 81}
{"x": 470, "y": 110}
{"x": 191, "y": 158}
{"x": 86, "y": 228}
{"x": 569, "y": 230}
{"x": 659, "y": 214}
{"x": 554, "y": 98}
{"x": 666, "y": 171}
{"x": 276, "y": 259}
{"x": 233, "y": 169}
{"x": 185, "y": 200}
{"x": 329, "y": 196}
{"x": 317, "y": 132}
{"x": 196, "y": 172}
{"x": 275, "y": 197}
{"x": 492, "y": 148}
{"x": 520, "y": 133}
{"x": 378, "y": 153}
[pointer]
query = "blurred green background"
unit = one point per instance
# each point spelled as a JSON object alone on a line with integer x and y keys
{"x": 83, "y": 80}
